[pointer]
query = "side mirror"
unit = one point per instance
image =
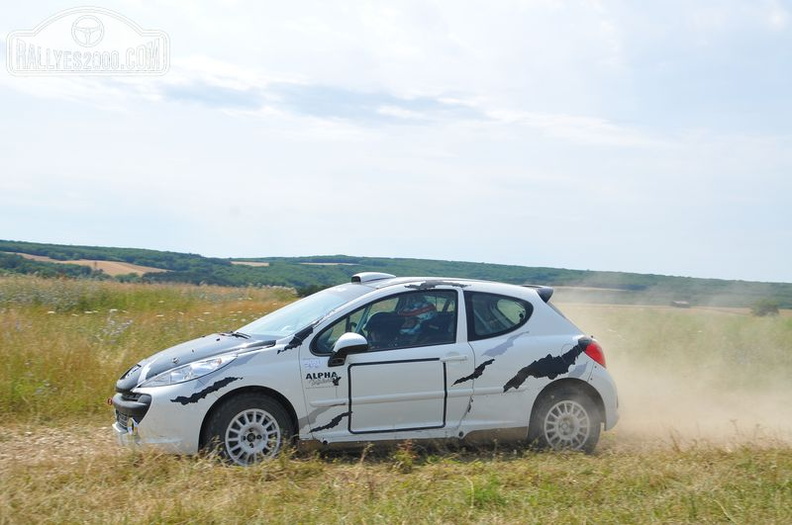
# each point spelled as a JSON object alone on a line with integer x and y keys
{"x": 349, "y": 343}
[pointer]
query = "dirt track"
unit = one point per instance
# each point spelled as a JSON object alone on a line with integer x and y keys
{"x": 35, "y": 444}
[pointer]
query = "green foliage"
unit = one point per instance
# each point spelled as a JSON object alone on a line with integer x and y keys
{"x": 313, "y": 273}
{"x": 404, "y": 457}
{"x": 305, "y": 291}
{"x": 764, "y": 307}
{"x": 12, "y": 263}
{"x": 156, "y": 259}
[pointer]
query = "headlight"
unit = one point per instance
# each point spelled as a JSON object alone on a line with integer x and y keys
{"x": 189, "y": 371}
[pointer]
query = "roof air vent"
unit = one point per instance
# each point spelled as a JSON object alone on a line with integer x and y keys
{"x": 366, "y": 277}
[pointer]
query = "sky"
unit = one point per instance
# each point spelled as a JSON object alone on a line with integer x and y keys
{"x": 647, "y": 137}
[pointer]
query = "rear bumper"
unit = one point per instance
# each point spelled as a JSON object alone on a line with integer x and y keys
{"x": 602, "y": 381}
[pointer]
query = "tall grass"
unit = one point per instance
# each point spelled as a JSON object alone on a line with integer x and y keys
{"x": 709, "y": 485}
{"x": 64, "y": 343}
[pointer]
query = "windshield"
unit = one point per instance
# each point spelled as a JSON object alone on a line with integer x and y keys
{"x": 296, "y": 316}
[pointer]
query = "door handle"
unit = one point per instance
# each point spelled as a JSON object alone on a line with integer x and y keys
{"x": 454, "y": 357}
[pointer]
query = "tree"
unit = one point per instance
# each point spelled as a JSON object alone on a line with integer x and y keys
{"x": 764, "y": 307}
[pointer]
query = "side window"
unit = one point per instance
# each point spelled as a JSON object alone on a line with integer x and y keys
{"x": 490, "y": 315}
{"x": 399, "y": 321}
{"x": 323, "y": 343}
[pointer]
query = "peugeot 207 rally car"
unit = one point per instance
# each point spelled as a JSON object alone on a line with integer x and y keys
{"x": 379, "y": 359}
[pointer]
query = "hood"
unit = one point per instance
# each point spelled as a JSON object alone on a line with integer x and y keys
{"x": 184, "y": 353}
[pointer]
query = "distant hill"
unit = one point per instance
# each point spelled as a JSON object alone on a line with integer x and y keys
{"x": 112, "y": 268}
{"x": 310, "y": 273}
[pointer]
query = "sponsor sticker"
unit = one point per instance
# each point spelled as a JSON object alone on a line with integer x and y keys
{"x": 321, "y": 379}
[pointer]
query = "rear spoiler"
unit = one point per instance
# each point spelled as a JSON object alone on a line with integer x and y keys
{"x": 545, "y": 292}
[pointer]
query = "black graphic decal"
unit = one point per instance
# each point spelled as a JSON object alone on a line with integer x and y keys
{"x": 476, "y": 373}
{"x": 297, "y": 340}
{"x": 548, "y": 366}
{"x": 333, "y": 422}
{"x": 428, "y": 285}
{"x": 214, "y": 387}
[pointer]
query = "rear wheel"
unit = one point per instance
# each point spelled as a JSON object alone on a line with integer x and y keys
{"x": 248, "y": 428}
{"x": 565, "y": 419}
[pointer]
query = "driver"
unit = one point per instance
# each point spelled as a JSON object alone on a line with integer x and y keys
{"x": 416, "y": 314}
{"x": 382, "y": 330}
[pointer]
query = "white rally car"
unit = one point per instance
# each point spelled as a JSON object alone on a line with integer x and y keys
{"x": 379, "y": 359}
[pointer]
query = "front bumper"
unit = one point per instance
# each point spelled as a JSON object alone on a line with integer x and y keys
{"x": 130, "y": 408}
{"x": 124, "y": 436}
{"x": 155, "y": 417}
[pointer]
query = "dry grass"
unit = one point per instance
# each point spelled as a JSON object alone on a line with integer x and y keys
{"x": 251, "y": 263}
{"x": 78, "y": 476}
{"x": 112, "y": 268}
{"x": 51, "y": 328}
{"x": 703, "y": 436}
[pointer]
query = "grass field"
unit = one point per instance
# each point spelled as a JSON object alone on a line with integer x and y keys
{"x": 705, "y": 435}
{"x": 111, "y": 268}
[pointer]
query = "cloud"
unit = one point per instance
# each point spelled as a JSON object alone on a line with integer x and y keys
{"x": 213, "y": 96}
{"x": 579, "y": 129}
{"x": 778, "y": 17}
{"x": 333, "y": 102}
{"x": 312, "y": 100}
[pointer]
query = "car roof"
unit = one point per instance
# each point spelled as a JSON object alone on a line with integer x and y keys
{"x": 382, "y": 280}
{"x": 375, "y": 280}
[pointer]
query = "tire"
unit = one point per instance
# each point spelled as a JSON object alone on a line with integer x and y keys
{"x": 248, "y": 428}
{"x": 565, "y": 419}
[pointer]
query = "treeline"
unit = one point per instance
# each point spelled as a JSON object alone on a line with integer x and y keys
{"x": 181, "y": 262}
{"x": 316, "y": 272}
{"x": 13, "y": 263}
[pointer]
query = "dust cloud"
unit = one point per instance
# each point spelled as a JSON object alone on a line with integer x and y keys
{"x": 689, "y": 377}
{"x": 658, "y": 408}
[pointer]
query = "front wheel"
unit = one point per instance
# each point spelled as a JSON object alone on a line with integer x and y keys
{"x": 248, "y": 428}
{"x": 565, "y": 419}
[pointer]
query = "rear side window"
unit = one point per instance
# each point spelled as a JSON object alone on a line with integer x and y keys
{"x": 490, "y": 315}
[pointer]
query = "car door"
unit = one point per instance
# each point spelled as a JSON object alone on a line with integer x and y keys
{"x": 405, "y": 382}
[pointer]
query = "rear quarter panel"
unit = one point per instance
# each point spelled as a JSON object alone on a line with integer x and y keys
{"x": 513, "y": 368}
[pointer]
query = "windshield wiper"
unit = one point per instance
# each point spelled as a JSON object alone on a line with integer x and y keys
{"x": 236, "y": 334}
